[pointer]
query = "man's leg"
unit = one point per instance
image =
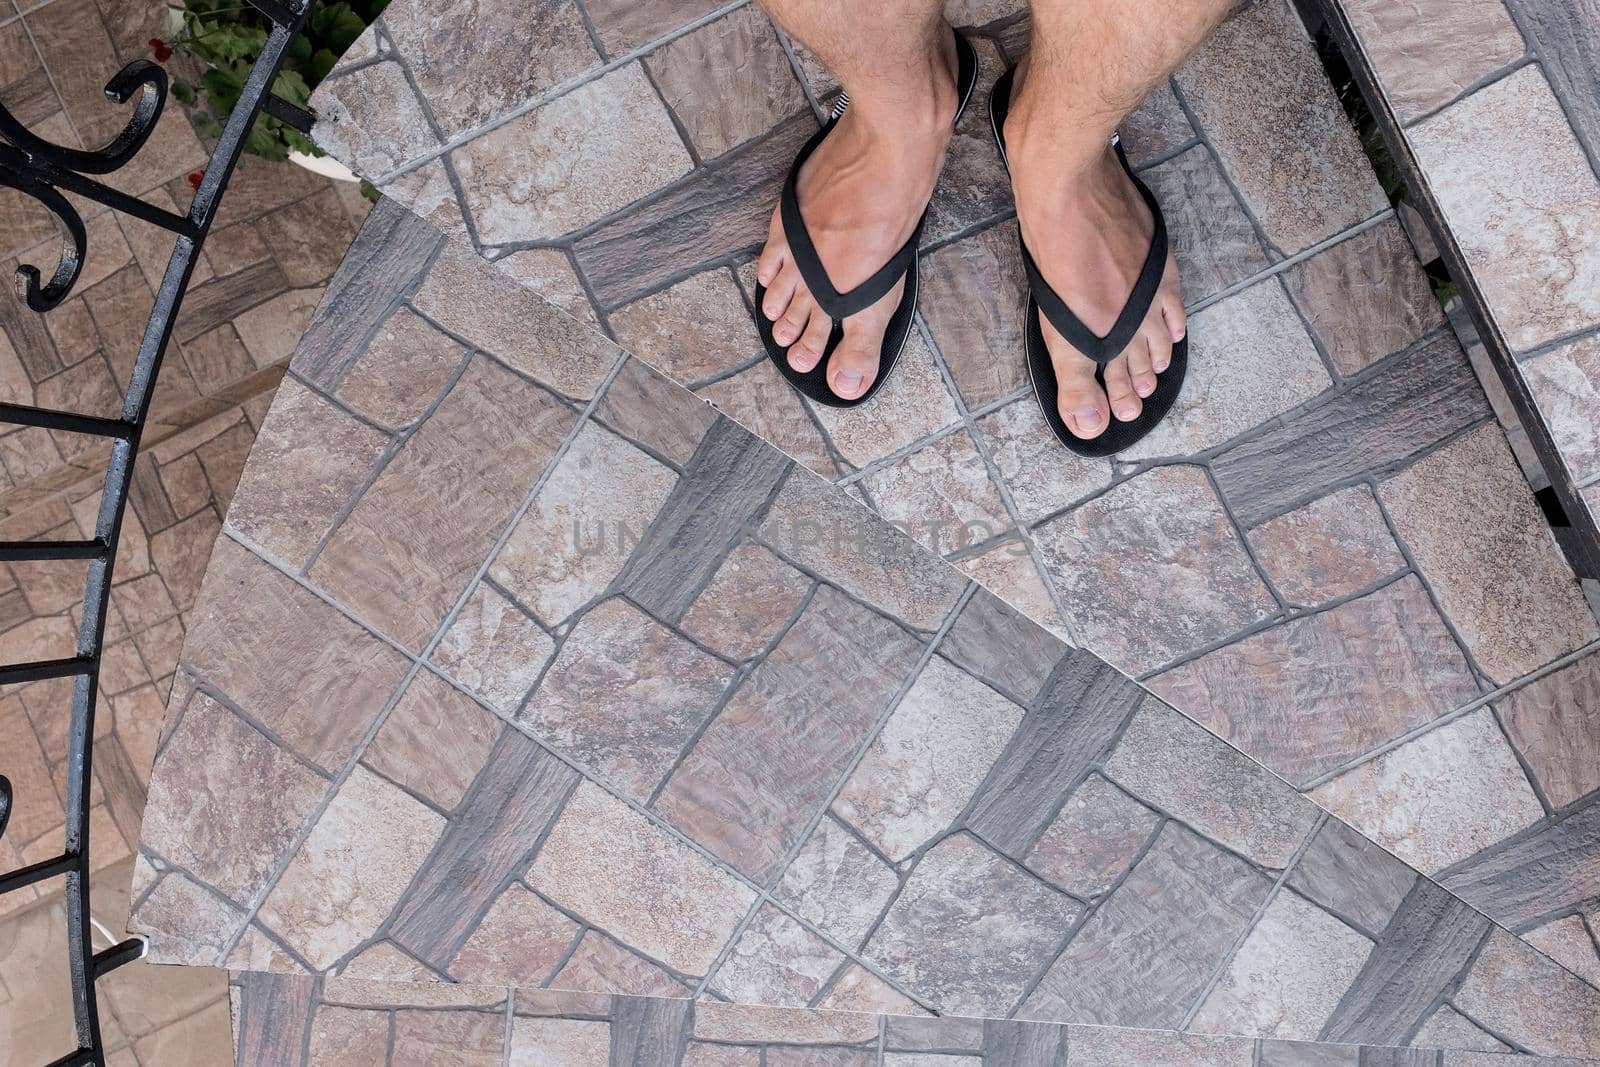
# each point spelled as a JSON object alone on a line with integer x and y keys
{"x": 864, "y": 188}
{"x": 1091, "y": 62}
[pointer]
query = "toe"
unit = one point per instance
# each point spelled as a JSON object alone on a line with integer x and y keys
{"x": 854, "y": 364}
{"x": 807, "y": 352}
{"x": 1141, "y": 354}
{"x": 1119, "y": 388}
{"x": 780, "y": 293}
{"x": 787, "y": 330}
{"x": 774, "y": 255}
{"x": 1176, "y": 322}
{"x": 1080, "y": 399}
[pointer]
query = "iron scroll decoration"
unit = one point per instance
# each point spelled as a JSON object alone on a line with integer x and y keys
{"x": 48, "y": 173}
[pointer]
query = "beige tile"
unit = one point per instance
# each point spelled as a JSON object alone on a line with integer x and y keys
{"x": 494, "y": 649}
{"x": 915, "y": 403}
{"x": 401, "y": 371}
{"x": 434, "y": 741}
{"x": 1561, "y": 1019}
{"x": 837, "y": 884}
{"x": 776, "y": 961}
{"x": 1434, "y": 50}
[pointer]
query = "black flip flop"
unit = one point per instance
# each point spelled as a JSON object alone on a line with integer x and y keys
{"x": 840, "y": 306}
{"x": 1041, "y": 372}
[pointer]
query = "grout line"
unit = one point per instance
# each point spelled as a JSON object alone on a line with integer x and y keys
{"x": 1290, "y": 261}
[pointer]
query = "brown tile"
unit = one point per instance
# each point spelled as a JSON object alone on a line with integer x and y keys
{"x": 1438, "y": 798}
{"x": 692, "y": 330}
{"x": 941, "y": 494}
{"x": 521, "y": 938}
{"x": 974, "y": 313}
{"x": 178, "y": 553}
{"x": 78, "y": 52}
{"x": 624, "y": 696}
{"x": 1352, "y": 877}
{"x": 451, "y": 489}
{"x": 309, "y": 237}
{"x": 1250, "y": 360}
{"x": 1436, "y": 50}
{"x": 751, "y": 597}
{"x": 616, "y": 869}
{"x": 772, "y": 757}
{"x": 1552, "y": 724}
{"x": 837, "y": 884}
{"x": 352, "y": 869}
{"x": 1570, "y": 942}
{"x": 969, "y": 931}
{"x": 1538, "y": 287}
{"x": 1258, "y": 89}
{"x": 579, "y": 531}
{"x": 600, "y": 963}
{"x": 345, "y": 1035}
{"x": 549, "y": 272}
{"x": 1365, "y": 297}
{"x": 1156, "y": 127}
{"x": 1211, "y": 237}
{"x": 494, "y": 649}
{"x": 727, "y": 81}
{"x": 1566, "y": 386}
{"x": 973, "y": 186}
{"x": 623, "y": 26}
{"x": 433, "y": 742}
{"x": 776, "y": 961}
{"x": 1563, "y": 1019}
{"x": 915, "y": 403}
{"x": 466, "y": 1039}
{"x": 476, "y": 66}
{"x": 404, "y": 367}
{"x": 1327, "y": 549}
{"x": 927, "y": 761}
{"x": 1098, "y": 833}
{"x": 309, "y": 459}
{"x": 270, "y": 331}
{"x": 1008, "y": 572}
{"x": 1304, "y": 698}
{"x": 572, "y": 161}
{"x": 312, "y": 676}
{"x": 372, "y": 121}
{"x": 760, "y": 400}
{"x": 649, "y": 409}
{"x": 1158, "y": 549}
{"x": 1041, "y": 476}
{"x": 1474, "y": 529}
{"x": 558, "y": 1041}
{"x": 212, "y": 762}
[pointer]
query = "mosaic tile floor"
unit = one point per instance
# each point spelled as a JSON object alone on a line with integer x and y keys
{"x": 1478, "y": 88}
{"x": 1329, "y": 556}
{"x": 558, "y": 678}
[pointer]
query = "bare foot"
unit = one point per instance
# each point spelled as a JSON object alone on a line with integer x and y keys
{"x": 861, "y": 192}
{"x": 1089, "y": 230}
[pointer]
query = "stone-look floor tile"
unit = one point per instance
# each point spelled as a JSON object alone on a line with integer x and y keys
{"x": 572, "y": 161}
{"x": 1250, "y": 360}
{"x": 1555, "y": 725}
{"x": 423, "y": 1038}
{"x": 521, "y": 939}
{"x": 352, "y": 869}
{"x": 858, "y": 989}
{"x": 1328, "y": 549}
{"x": 576, "y": 535}
{"x": 825, "y": 530}
{"x": 1571, "y": 943}
{"x": 549, "y": 272}
{"x": 1211, "y": 237}
{"x": 372, "y": 121}
{"x": 1160, "y": 550}
{"x": 1434, "y": 51}
{"x": 308, "y": 673}
{"x": 434, "y": 741}
{"x": 1041, "y": 476}
{"x": 972, "y": 299}
{"x": 740, "y": 1024}
{"x": 1561, "y": 1018}
{"x": 750, "y": 598}
{"x": 1258, "y": 89}
{"x": 1108, "y": 1047}
{"x": 692, "y": 330}
{"x": 1536, "y": 874}
{"x": 196, "y": 924}
{"x": 559, "y": 1043}
{"x": 1474, "y": 529}
{"x": 705, "y": 1054}
{"x": 761, "y": 401}
{"x": 912, "y": 405}
{"x": 1098, "y": 833}
{"x": 776, "y": 961}
{"x": 652, "y": 411}
{"x": 1564, "y": 40}
{"x": 928, "y": 760}
{"x": 1307, "y": 1054}
{"x": 494, "y": 649}
{"x": 973, "y": 187}
{"x": 727, "y": 81}
{"x": 402, "y": 370}
{"x": 941, "y": 494}
{"x": 1149, "y": 952}
{"x": 1001, "y": 647}
{"x": 1528, "y": 233}
{"x": 1351, "y": 877}
{"x": 1156, "y": 127}
{"x": 1306, "y": 697}
{"x": 600, "y": 963}
{"x": 969, "y": 930}
{"x": 610, "y": 865}
{"x": 764, "y": 767}
{"x": 498, "y": 315}
{"x": 348, "y": 1035}
{"x": 1566, "y": 386}
{"x": 837, "y": 884}
{"x": 475, "y": 66}
{"x": 1169, "y": 761}
{"x": 623, "y": 26}
{"x": 1009, "y": 573}
{"x": 1439, "y": 798}
{"x": 1288, "y": 975}
{"x": 624, "y": 695}
{"x": 1365, "y": 297}
{"x": 309, "y": 458}
{"x": 452, "y": 488}
{"x": 1449, "y": 1029}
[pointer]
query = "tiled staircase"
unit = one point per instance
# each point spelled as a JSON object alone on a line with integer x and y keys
{"x": 521, "y": 667}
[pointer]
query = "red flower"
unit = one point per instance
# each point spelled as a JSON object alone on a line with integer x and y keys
{"x": 161, "y": 49}
{"x": 195, "y": 179}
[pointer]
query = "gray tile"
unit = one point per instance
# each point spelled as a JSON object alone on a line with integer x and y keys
{"x": 1352, "y": 877}
{"x": 1520, "y": 879}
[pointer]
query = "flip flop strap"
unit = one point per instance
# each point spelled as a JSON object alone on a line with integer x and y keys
{"x": 838, "y": 305}
{"x": 1105, "y": 349}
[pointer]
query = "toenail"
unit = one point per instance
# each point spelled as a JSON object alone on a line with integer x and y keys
{"x": 1127, "y": 412}
{"x": 1146, "y": 387}
{"x": 1161, "y": 366}
{"x": 848, "y": 383}
{"x": 1089, "y": 417}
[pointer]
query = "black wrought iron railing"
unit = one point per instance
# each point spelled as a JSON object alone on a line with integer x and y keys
{"x": 45, "y": 171}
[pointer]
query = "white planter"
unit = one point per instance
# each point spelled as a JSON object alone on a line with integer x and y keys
{"x": 326, "y": 166}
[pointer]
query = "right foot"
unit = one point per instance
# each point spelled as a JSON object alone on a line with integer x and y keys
{"x": 861, "y": 192}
